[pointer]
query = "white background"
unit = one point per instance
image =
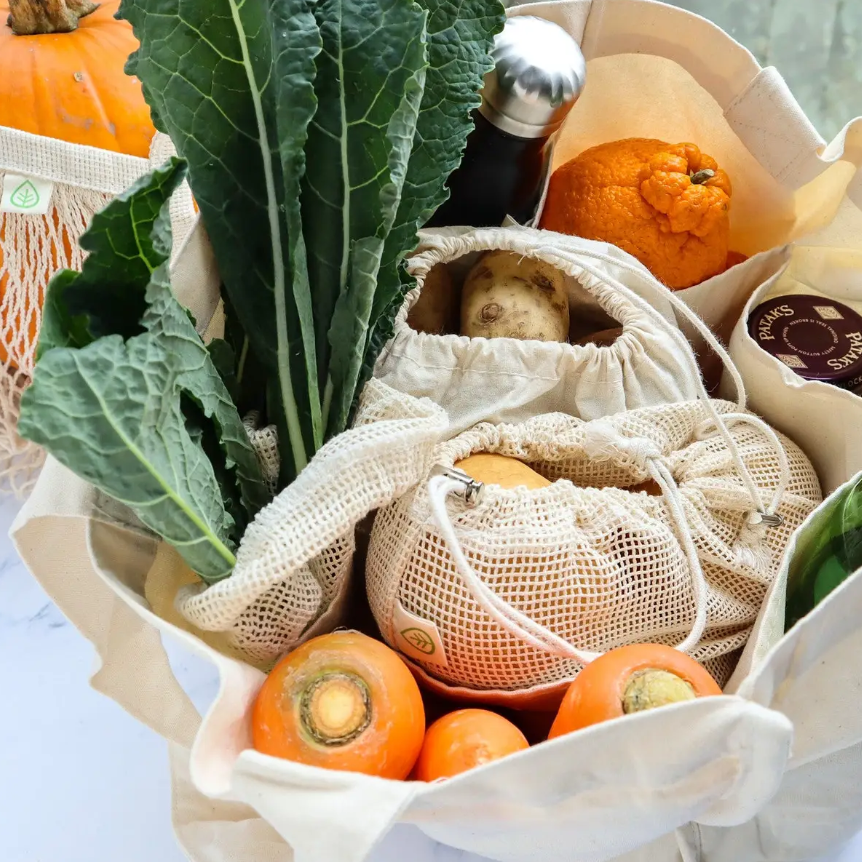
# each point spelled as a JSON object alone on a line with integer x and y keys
{"x": 80, "y": 780}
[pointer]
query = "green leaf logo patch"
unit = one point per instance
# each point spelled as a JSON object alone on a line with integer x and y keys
{"x": 419, "y": 640}
{"x": 25, "y": 197}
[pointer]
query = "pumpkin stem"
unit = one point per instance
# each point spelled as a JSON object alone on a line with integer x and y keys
{"x": 702, "y": 176}
{"x": 38, "y": 17}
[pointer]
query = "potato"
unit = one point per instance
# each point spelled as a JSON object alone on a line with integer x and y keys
{"x": 435, "y": 310}
{"x": 507, "y": 295}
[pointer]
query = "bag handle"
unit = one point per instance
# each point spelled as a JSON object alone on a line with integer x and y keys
{"x": 756, "y": 102}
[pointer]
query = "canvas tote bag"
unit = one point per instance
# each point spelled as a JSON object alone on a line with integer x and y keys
{"x": 51, "y": 190}
{"x": 713, "y": 780}
{"x": 657, "y": 71}
{"x": 726, "y": 761}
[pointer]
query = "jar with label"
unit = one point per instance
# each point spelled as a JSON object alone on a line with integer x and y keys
{"x": 817, "y": 337}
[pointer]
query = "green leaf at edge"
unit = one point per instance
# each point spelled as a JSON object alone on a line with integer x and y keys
{"x": 112, "y": 410}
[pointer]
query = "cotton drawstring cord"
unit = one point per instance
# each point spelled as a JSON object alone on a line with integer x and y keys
{"x": 602, "y": 443}
{"x": 761, "y": 514}
{"x": 514, "y": 621}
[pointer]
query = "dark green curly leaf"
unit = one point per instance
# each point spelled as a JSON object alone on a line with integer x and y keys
{"x": 208, "y": 69}
{"x": 145, "y": 418}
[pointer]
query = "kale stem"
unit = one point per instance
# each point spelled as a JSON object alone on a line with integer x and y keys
{"x": 327, "y": 402}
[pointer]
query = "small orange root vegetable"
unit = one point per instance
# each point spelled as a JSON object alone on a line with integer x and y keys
{"x": 341, "y": 701}
{"x": 465, "y": 739}
{"x": 631, "y": 679}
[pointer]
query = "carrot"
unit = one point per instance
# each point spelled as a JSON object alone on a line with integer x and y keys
{"x": 465, "y": 739}
{"x": 341, "y": 701}
{"x": 631, "y": 679}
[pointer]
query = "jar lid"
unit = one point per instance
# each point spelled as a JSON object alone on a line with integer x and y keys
{"x": 818, "y": 338}
{"x": 539, "y": 72}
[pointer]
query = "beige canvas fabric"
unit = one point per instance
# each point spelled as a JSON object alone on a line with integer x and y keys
{"x": 506, "y": 380}
{"x": 709, "y": 781}
{"x": 726, "y": 761}
{"x": 818, "y": 412}
{"x": 33, "y": 247}
{"x": 523, "y": 586}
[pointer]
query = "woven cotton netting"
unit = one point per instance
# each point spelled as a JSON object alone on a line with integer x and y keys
{"x": 596, "y": 564}
{"x": 294, "y": 562}
{"x": 263, "y": 623}
{"x": 32, "y": 249}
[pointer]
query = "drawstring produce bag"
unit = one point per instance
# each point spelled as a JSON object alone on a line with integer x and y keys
{"x": 505, "y": 598}
{"x": 506, "y": 379}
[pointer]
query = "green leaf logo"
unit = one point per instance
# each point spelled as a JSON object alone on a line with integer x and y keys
{"x": 25, "y": 197}
{"x": 419, "y": 640}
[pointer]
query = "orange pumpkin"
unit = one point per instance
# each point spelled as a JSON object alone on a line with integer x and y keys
{"x": 71, "y": 85}
{"x": 667, "y": 205}
{"x": 62, "y": 76}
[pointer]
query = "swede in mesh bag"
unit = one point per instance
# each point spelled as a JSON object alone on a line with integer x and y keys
{"x": 503, "y": 594}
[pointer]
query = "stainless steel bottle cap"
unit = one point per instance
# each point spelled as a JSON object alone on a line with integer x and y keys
{"x": 538, "y": 75}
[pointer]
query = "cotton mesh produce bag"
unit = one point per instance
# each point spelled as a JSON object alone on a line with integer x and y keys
{"x": 507, "y": 597}
{"x": 292, "y": 573}
{"x": 69, "y": 184}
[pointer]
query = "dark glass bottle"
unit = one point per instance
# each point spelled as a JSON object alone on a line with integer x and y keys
{"x": 509, "y": 172}
{"x": 827, "y": 552}
{"x": 539, "y": 72}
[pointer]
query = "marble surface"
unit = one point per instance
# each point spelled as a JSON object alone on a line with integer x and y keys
{"x": 82, "y": 781}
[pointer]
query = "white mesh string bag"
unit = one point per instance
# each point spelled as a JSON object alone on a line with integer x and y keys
{"x": 78, "y": 181}
{"x": 293, "y": 566}
{"x": 513, "y": 593}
